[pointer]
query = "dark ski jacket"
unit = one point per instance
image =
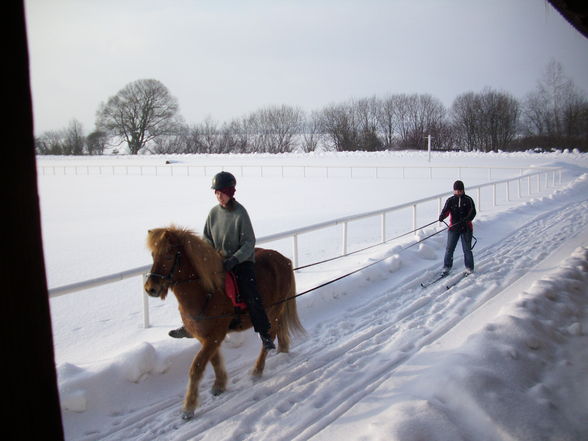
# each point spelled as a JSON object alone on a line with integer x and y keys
{"x": 461, "y": 211}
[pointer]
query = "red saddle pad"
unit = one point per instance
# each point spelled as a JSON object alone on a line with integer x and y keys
{"x": 232, "y": 290}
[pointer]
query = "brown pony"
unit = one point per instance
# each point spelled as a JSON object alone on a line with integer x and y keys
{"x": 193, "y": 270}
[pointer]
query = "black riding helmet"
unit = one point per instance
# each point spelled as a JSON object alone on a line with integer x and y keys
{"x": 223, "y": 180}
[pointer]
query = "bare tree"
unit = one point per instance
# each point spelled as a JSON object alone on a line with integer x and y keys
{"x": 209, "y": 135}
{"x": 229, "y": 138}
{"x": 485, "y": 121}
{"x": 96, "y": 142}
{"x": 466, "y": 114}
{"x": 416, "y": 117}
{"x": 74, "y": 141}
{"x": 366, "y": 117}
{"x": 179, "y": 142}
{"x": 50, "y": 143}
{"x": 311, "y": 132}
{"x": 556, "y": 106}
{"x": 140, "y": 112}
{"x": 275, "y": 128}
{"x": 502, "y": 113}
{"x": 387, "y": 120}
{"x": 339, "y": 125}
{"x": 238, "y": 136}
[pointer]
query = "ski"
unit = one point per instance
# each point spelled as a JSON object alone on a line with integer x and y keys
{"x": 456, "y": 281}
{"x": 435, "y": 280}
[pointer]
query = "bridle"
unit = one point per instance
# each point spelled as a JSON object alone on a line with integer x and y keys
{"x": 169, "y": 277}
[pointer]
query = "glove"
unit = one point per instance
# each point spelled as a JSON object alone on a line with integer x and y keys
{"x": 230, "y": 263}
{"x": 441, "y": 218}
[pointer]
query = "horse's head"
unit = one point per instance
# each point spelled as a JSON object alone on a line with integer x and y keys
{"x": 166, "y": 252}
{"x": 180, "y": 256}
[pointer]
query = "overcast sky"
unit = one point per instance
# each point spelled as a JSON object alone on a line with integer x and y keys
{"x": 225, "y": 58}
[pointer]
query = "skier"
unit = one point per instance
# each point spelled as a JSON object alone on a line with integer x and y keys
{"x": 461, "y": 211}
{"x": 228, "y": 229}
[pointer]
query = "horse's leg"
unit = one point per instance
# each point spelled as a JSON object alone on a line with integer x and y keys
{"x": 260, "y": 363}
{"x": 220, "y": 382}
{"x": 209, "y": 348}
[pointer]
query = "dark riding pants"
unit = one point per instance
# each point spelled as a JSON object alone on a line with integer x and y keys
{"x": 466, "y": 245}
{"x": 248, "y": 293}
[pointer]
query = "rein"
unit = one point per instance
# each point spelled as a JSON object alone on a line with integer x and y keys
{"x": 200, "y": 317}
{"x": 366, "y": 248}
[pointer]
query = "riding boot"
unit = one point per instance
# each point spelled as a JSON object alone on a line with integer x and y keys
{"x": 181, "y": 332}
{"x": 266, "y": 340}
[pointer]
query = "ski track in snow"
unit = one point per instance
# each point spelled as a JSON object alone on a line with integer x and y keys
{"x": 344, "y": 359}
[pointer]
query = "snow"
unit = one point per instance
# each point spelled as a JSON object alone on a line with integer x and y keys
{"x": 503, "y": 355}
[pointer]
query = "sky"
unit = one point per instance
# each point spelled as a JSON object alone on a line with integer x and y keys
{"x": 223, "y": 59}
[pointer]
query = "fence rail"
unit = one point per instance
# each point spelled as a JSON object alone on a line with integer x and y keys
{"x": 535, "y": 181}
{"x": 174, "y": 169}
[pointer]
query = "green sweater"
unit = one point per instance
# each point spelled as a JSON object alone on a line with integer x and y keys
{"x": 229, "y": 231}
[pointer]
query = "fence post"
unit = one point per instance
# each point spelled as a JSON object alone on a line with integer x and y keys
{"x": 414, "y": 216}
{"x": 479, "y": 204}
{"x": 344, "y": 231}
{"x": 383, "y": 227}
{"x": 295, "y": 250}
{"x": 538, "y": 183}
{"x": 494, "y": 195}
{"x": 146, "y": 323}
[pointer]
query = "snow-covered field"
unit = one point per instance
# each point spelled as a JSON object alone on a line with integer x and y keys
{"x": 503, "y": 355}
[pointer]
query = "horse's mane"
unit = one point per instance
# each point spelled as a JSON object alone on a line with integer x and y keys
{"x": 205, "y": 260}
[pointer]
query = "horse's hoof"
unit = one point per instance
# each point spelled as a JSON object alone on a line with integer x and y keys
{"x": 187, "y": 415}
{"x": 217, "y": 390}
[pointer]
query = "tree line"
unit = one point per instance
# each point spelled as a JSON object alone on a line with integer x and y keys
{"x": 145, "y": 118}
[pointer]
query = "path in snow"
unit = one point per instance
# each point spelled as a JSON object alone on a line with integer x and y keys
{"x": 344, "y": 359}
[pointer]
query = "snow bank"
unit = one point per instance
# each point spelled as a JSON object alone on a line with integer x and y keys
{"x": 80, "y": 388}
{"x": 521, "y": 378}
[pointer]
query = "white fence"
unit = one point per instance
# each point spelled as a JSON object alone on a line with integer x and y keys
{"x": 532, "y": 182}
{"x": 263, "y": 170}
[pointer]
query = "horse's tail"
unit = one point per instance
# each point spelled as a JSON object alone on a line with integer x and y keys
{"x": 291, "y": 316}
{"x": 289, "y": 320}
